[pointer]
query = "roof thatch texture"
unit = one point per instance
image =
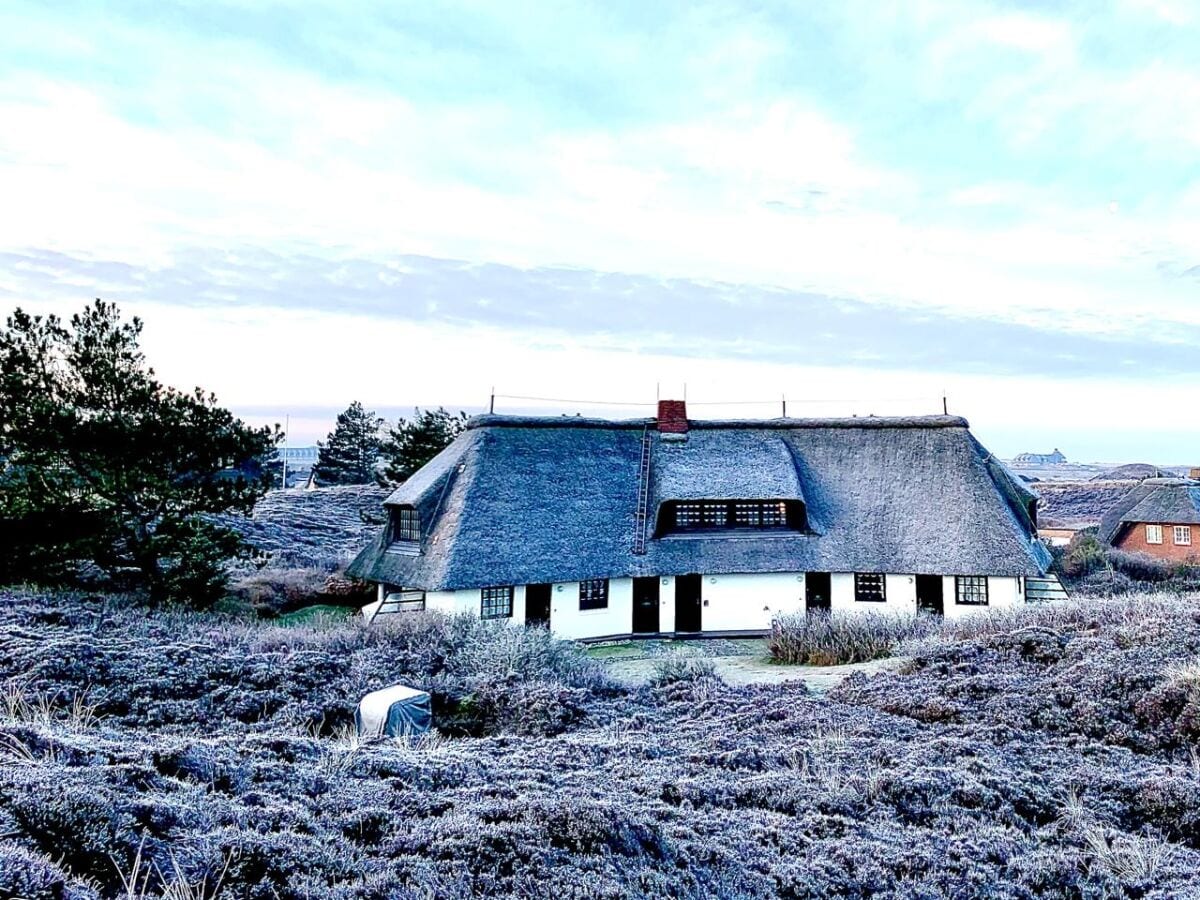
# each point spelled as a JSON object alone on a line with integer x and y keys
{"x": 528, "y": 500}
{"x": 1158, "y": 501}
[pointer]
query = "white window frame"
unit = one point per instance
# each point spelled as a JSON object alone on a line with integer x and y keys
{"x": 1154, "y": 534}
{"x": 870, "y": 587}
{"x": 593, "y": 595}
{"x": 496, "y": 602}
{"x": 976, "y": 590}
{"x": 1183, "y": 535}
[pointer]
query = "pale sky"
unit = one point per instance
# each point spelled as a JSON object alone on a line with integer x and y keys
{"x": 858, "y": 205}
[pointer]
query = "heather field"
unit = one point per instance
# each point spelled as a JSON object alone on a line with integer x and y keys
{"x": 151, "y": 754}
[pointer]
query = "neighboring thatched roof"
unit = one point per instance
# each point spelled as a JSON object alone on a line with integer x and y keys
{"x": 518, "y": 500}
{"x": 1130, "y": 472}
{"x": 1157, "y": 501}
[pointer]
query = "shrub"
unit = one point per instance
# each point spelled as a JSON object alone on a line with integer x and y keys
{"x": 33, "y": 876}
{"x": 175, "y": 669}
{"x": 840, "y": 638}
{"x": 677, "y": 667}
{"x": 1092, "y": 567}
{"x": 998, "y": 762}
{"x": 1140, "y": 566}
{"x": 274, "y": 591}
{"x": 1085, "y": 555}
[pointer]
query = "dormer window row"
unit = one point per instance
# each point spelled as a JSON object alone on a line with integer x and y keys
{"x": 733, "y": 515}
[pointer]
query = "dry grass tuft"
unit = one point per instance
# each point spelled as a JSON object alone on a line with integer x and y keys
{"x": 21, "y": 706}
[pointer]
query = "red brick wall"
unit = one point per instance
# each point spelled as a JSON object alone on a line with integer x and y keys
{"x": 1134, "y": 540}
{"x": 672, "y": 416}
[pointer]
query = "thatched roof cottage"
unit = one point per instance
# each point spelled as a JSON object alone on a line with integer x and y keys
{"x": 600, "y": 528}
{"x": 1161, "y": 517}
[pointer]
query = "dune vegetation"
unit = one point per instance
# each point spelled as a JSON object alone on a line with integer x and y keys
{"x": 149, "y": 753}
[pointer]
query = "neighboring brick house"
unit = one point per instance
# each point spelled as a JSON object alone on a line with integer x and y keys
{"x": 1159, "y": 517}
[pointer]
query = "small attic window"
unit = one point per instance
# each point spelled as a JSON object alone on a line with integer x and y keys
{"x": 406, "y": 524}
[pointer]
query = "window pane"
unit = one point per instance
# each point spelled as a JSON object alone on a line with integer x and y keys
{"x": 774, "y": 514}
{"x": 1154, "y": 534}
{"x": 870, "y": 588}
{"x": 747, "y": 515}
{"x": 971, "y": 590}
{"x": 593, "y": 594}
{"x": 406, "y": 525}
{"x": 714, "y": 515}
{"x": 687, "y": 515}
{"x": 1183, "y": 535}
{"x": 496, "y": 602}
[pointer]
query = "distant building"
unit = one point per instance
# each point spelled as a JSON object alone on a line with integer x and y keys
{"x": 598, "y": 528}
{"x": 300, "y": 462}
{"x": 1160, "y": 517}
{"x": 1040, "y": 459}
{"x": 1059, "y": 535}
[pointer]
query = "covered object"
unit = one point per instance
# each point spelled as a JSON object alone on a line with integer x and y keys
{"x": 393, "y": 712}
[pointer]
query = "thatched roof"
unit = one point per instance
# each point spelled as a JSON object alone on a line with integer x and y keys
{"x": 518, "y": 500}
{"x": 1157, "y": 501}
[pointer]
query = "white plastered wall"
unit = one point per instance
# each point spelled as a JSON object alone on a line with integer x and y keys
{"x": 748, "y": 602}
{"x": 900, "y": 591}
{"x": 567, "y": 620}
{"x": 1003, "y": 593}
{"x": 470, "y": 601}
{"x": 666, "y": 603}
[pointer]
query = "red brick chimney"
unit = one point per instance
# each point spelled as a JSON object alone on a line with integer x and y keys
{"x": 672, "y": 417}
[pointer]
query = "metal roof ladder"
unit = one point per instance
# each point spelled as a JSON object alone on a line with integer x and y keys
{"x": 643, "y": 503}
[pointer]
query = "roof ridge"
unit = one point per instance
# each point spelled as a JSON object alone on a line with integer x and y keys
{"x": 495, "y": 420}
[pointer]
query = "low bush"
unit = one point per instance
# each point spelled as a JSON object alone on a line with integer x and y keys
{"x": 1089, "y": 566}
{"x": 833, "y": 639}
{"x": 678, "y": 667}
{"x": 272, "y": 592}
{"x": 1047, "y": 755}
{"x": 175, "y": 669}
{"x": 1106, "y": 669}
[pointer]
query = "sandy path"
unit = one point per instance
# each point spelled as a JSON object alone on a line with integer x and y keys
{"x": 754, "y": 670}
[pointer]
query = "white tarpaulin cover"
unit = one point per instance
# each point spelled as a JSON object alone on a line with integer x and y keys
{"x": 393, "y": 711}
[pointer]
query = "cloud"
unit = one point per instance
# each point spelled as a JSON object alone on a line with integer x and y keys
{"x": 891, "y": 185}
{"x": 609, "y": 311}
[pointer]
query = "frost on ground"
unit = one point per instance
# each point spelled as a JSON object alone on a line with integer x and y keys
{"x": 189, "y": 757}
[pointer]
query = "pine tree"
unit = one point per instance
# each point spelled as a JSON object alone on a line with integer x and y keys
{"x": 101, "y": 463}
{"x": 412, "y": 443}
{"x": 349, "y": 454}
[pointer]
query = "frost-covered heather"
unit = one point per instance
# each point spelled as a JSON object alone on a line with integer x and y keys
{"x": 1107, "y": 670}
{"x": 182, "y": 671}
{"x": 689, "y": 789}
{"x": 840, "y": 638}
